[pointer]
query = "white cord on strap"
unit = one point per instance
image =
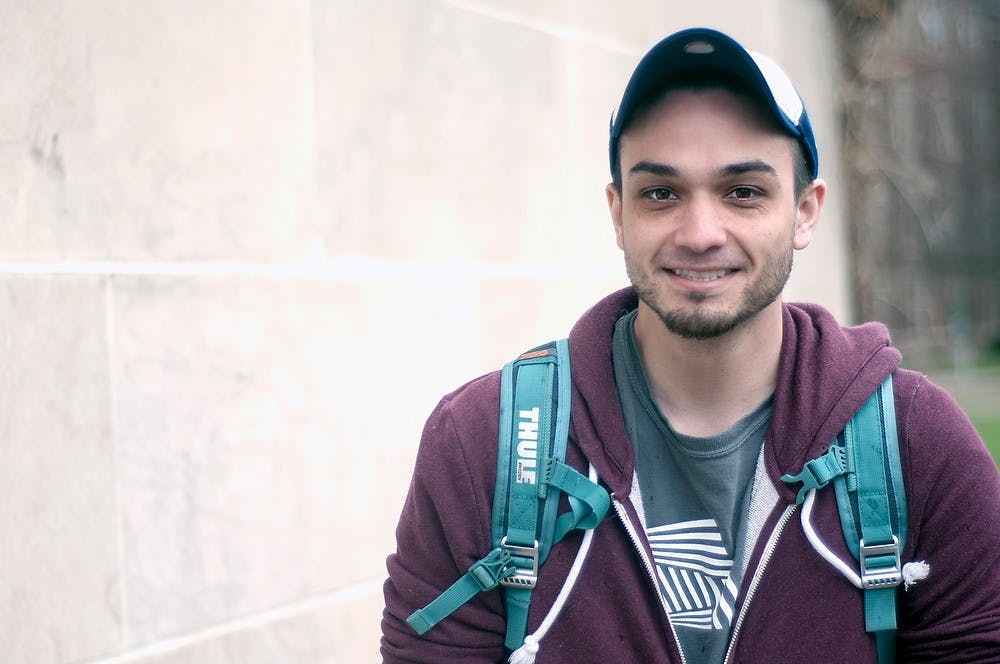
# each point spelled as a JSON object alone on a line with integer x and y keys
{"x": 526, "y": 653}
{"x": 828, "y": 555}
{"x": 912, "y": 571}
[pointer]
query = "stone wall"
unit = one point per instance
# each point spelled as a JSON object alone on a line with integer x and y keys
{"x": 245, "y": 247}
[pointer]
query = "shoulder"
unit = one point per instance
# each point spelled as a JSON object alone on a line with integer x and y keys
{"x": 953, "y": 499}
{"x": 464, "y": 422}
{"x": 472, "y": 399}
{"x": 931, "y": 419}
{"x": 946, "y": 463}
{"x": 938, "y": 434}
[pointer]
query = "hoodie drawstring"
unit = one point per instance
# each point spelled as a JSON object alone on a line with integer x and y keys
{"x": 526, "y": 653}
{"x": 912, "y": 572}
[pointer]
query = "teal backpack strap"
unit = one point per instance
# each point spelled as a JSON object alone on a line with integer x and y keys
{"x": 864, "y": 466}
{"x": 483, "y": 575}
{"x": 872, "y": 504}
{"x": 528, "y": 423}
{"x": 531, "y": 477}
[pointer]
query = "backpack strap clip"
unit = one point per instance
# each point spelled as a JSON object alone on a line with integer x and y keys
{"x": 880, "y": 565}
{"x": 525, "y": 561}
{"x": 818, "y": 472}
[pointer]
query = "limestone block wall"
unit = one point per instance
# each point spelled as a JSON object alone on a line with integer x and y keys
{"x": 246, "y": 246}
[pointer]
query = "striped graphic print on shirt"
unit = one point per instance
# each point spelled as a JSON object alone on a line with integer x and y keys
{"x": 694, "y": 567}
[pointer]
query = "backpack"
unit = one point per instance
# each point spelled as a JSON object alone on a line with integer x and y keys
{"x": 532, "y": 475}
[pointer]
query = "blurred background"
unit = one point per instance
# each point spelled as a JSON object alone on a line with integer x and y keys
{"x": 246, "y": 246}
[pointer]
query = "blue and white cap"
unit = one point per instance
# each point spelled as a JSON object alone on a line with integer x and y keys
{"x": 688, "y": 52}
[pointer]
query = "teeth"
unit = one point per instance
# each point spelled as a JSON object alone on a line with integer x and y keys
{"x": 701, "y": 276}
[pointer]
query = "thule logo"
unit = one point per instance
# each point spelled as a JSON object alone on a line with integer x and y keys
{"x": 527, "y": 446}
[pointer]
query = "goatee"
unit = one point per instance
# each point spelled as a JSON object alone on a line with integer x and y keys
{"x": 693, "y": 322}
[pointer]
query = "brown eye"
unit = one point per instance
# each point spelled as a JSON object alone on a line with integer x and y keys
{"x": 658, "y": 194}
{"x": 744, "y": 193}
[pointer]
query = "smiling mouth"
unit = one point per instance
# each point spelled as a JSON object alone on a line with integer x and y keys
{"x": 693, "y": 275}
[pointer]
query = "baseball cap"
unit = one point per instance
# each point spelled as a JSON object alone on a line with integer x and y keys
{"x": 696, "y": 50}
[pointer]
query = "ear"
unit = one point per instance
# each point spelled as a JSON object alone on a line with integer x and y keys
{"x": 807, "y": 212}
{"x": 615, "y": 207}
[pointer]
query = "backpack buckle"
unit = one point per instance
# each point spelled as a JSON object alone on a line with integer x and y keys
{"x": 880, "y": 565}
{"x": 523, "y": 577}
{"x": 488, "y": 572}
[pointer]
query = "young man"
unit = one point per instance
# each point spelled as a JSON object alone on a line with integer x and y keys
{"x": 693, "y": 393}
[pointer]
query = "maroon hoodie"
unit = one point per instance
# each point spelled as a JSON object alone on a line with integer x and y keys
{"x": 799, "y": 608}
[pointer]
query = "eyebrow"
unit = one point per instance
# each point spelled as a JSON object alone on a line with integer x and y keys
{"x": 743, "y": 167}
{"x": 739, "y": 168}
{"x": 654, "y": 168}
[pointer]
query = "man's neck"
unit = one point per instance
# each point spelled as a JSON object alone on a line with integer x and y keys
{"x": 703, "y": 387}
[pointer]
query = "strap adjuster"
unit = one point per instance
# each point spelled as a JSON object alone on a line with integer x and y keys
{"x": 489, "y": 572}
{"x": 523, "y": 577}
{"x": 880, "y": 565}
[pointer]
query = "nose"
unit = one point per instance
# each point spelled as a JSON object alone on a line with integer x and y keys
{"x": 700, "y": 227}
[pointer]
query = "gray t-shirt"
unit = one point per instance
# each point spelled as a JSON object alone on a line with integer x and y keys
{"x": 695, "y": 495}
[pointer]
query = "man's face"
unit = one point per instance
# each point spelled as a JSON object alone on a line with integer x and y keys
{"x": 706, "y": 215}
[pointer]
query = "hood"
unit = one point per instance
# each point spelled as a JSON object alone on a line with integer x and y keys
{"x": 826, "y": 372}
{"x": 596, "y": 422}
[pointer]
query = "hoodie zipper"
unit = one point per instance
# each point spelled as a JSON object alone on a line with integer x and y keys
{"x": 772, "y": 543}
{"x": 634, "y": 536}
